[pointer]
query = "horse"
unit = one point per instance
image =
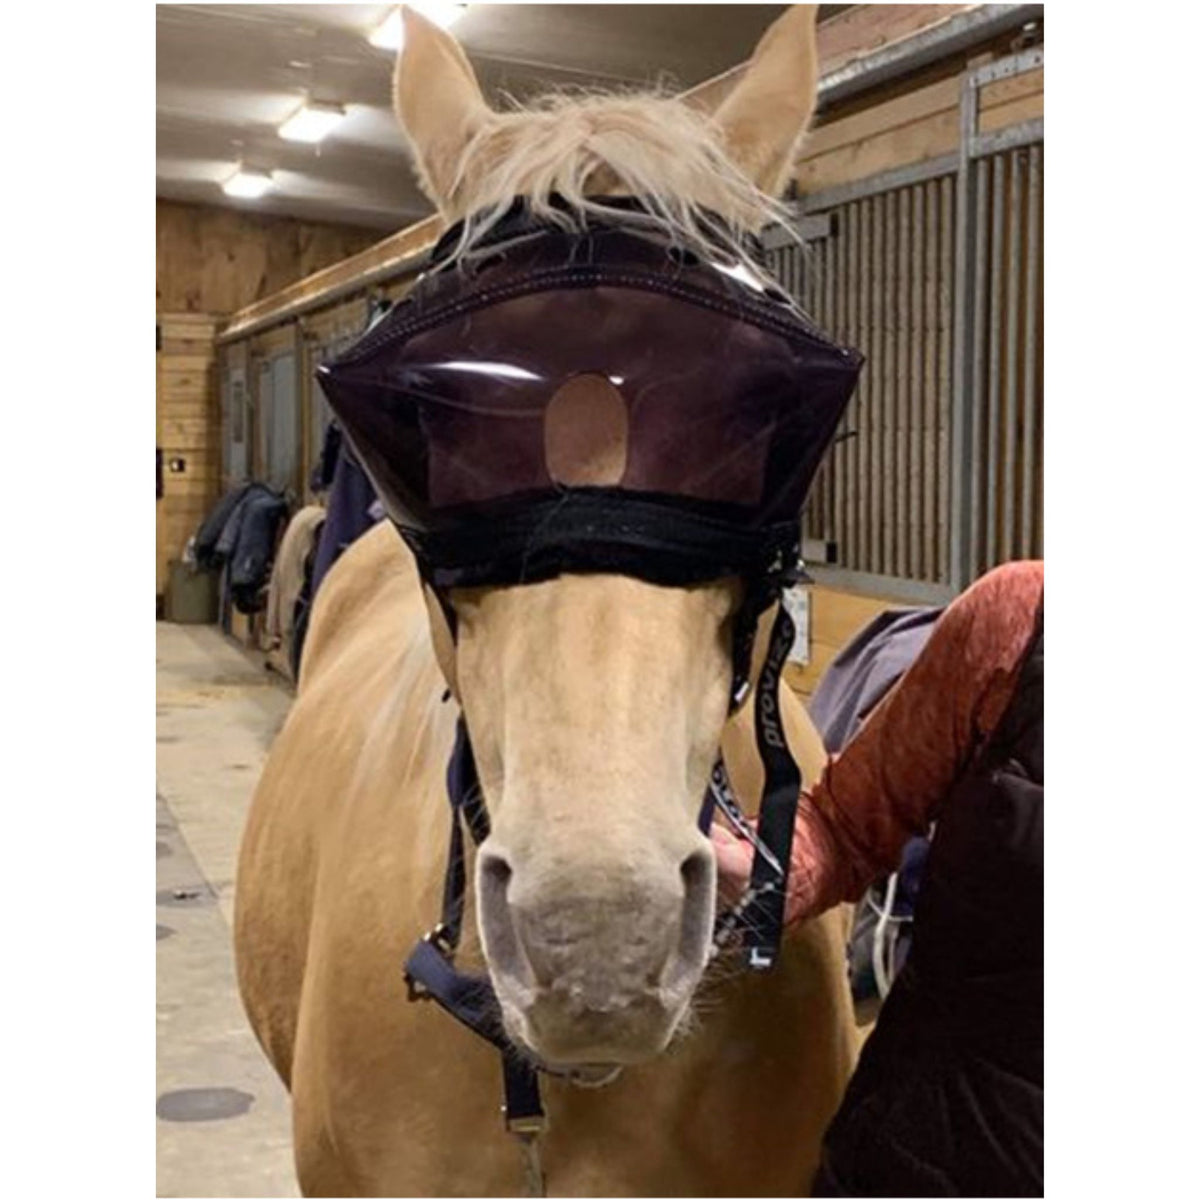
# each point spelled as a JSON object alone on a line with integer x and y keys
{"x": 597, "y": 705}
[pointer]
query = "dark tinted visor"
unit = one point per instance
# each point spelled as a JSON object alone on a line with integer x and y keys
{"x": 541, "y": 371}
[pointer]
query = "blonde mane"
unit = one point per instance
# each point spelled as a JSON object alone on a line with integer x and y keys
{"x": 649, "y": 145}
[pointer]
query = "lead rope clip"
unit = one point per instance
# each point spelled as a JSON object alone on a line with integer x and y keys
{"x": 528, "y": 1132}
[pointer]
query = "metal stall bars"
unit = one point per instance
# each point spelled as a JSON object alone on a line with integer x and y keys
{"x": 876, "y": 271}
{"x": 997, "y": 386}
{"x": 936, "y": 472}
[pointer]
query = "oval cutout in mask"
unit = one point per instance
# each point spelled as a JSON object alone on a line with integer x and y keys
{"x": 586, "y": 430}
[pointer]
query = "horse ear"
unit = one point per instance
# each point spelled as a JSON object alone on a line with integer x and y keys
{"x": 766, "y": 114}
{"x": 437, "y": 100}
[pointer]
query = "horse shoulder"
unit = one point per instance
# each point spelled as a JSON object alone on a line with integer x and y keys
{"x": 368, "y": 619}
{"x": 374, "y": 575}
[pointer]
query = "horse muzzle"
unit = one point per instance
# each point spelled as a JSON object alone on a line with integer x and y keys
{"x": 596, "y": 968}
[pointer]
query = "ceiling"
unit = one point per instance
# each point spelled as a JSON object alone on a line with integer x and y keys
{"x": 228, "y": 75}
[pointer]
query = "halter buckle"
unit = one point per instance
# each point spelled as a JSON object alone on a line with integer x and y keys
{"x": 439, "y": 938}
{"x": 526, "y": 1126}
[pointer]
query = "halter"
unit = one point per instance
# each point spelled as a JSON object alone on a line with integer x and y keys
{"x": 726, "y": 397}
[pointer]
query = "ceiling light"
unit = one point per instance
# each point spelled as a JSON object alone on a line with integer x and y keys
{"x": 247, "y": 183}
{"x": 390, "y": 35}
{"x": 312, "y": 122}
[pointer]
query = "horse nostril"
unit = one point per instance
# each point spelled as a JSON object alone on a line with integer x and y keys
{"x": 699, "y": 874}
{"x": 501, "y": 944}
{"x": 494, "y": 875}
{"x": 697, "y": 870}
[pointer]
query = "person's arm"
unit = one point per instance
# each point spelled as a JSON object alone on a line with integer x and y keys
{"x": 889, "y": 781}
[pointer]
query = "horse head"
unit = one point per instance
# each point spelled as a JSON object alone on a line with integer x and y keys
{"x": 596, "y": 702}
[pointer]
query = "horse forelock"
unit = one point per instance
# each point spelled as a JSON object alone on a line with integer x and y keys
{"x": 575, "y": 148}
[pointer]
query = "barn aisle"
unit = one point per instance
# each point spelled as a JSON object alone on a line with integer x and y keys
{"x": 223, "y": 1125}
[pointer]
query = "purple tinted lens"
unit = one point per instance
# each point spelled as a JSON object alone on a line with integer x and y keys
{"x": 515, "y": 384}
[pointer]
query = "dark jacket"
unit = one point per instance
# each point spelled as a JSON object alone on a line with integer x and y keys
{"x": 240, "y": 534}
{"x": 213, "y": 525}
{"x": 348, "y": 511}
{"x": 260, "y": 519}
{"x": 947, "y": 1097}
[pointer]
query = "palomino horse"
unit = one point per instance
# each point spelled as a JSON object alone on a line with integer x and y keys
{"x": 597, "y": 705}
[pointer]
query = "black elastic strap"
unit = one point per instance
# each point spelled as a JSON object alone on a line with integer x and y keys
{"x": 588, "y": 530}
{"x": 763, "y": 921}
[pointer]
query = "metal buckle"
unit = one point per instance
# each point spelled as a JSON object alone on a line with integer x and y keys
{"x": 528, "y": 1126}
{"x": 439, "y": 938}
{"x": 531, "y": 1155}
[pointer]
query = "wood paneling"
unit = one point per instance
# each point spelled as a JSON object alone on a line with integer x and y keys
{"x": 217, "y": 260}
{"x": 922, "y": 123}
{"x": 854, "y": 33}
{"x": 187, "y": 419}
{"x": 835, "y": 617}
{"x": 864, "y": 28}
{"x": 395, "y": 249}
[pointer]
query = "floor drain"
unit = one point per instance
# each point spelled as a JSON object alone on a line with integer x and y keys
{"x": 203, "y": 1104}
{"x": 191, "y": 896}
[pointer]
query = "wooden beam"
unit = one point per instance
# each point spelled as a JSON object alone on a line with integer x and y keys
{"x": 864, "y": 28}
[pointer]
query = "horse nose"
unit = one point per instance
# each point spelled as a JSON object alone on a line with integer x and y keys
{"x": 619, "y": 928}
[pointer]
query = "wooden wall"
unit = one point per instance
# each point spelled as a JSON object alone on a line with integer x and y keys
{"x": 217, "y": 260}
{"x": 922, "y": 122}
{"x": 835, "y": 616}
{"x": 188, "y": 420}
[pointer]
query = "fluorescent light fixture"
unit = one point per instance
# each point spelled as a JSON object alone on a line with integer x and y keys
{"x": 247, "y": 183}
{"x": 311, "y": 123}
{"x": 390, "y": 35}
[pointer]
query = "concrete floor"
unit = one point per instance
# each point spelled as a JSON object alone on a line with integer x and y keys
{"x": 223, "y": 1120}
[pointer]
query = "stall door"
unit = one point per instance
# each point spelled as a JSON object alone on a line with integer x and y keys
{"x": 235, "y": 440}
{"x": 279, "y": 443}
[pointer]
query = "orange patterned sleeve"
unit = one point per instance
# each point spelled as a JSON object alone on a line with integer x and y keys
{"x": 887, "y": 784}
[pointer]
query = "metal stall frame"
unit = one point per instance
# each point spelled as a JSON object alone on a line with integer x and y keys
{"x": 969, "y": 275}
{"x": 265, "y": 423}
